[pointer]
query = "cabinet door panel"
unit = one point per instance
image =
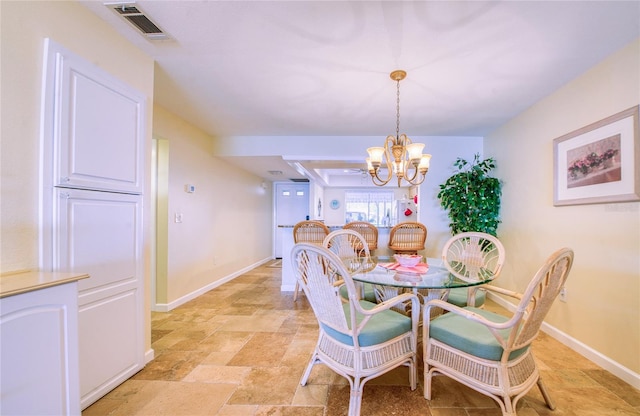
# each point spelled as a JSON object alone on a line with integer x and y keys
{"x": 100, "y": 232}
{"x": 99, "y": 129}
{"x": 109, "y": 347}
{"x": 39, "y": 352}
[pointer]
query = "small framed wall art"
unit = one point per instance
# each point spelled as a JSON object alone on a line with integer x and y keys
{"x": 599, "y": 163}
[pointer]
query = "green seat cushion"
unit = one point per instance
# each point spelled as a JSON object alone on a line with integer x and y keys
{"x": 369, "y": 293}
{"x": 382, "y": 326}
{"x": 471, "y": 337}
{"x": 458, "y": 297}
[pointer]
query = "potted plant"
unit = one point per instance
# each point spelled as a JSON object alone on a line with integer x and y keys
{"x": 472, "y": 197}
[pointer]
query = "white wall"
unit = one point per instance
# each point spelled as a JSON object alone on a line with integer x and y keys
{"x": 603, "y": 307}
{"x": 317, "y": 202}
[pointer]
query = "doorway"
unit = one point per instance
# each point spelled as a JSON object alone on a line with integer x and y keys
{"x": 292, "y": 206}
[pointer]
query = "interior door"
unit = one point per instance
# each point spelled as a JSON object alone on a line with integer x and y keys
{"x": 292, "y": 206}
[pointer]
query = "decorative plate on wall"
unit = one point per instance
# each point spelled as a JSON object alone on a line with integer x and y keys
{"x": 334, "y": 204}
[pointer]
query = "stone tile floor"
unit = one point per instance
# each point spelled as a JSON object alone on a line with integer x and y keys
{"x": 241, "y": 349}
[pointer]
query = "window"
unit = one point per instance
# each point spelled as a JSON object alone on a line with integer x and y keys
{"x": 371, "y": 206}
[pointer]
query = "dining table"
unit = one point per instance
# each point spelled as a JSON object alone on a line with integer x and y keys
{"x": 429, "y": 279}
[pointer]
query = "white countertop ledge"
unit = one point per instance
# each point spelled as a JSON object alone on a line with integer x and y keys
{"x": 24, "y": 281}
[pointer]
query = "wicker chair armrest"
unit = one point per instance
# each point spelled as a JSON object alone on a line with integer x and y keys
{"x": 502, "y": 291}
{"x": 492, "y": 326}
{"x": 390, "y": 303}
{"x": 386, "y": 305}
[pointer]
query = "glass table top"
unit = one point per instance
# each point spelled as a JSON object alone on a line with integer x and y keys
{"x": 378, "y": 270}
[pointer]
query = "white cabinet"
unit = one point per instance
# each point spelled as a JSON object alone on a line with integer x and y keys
{"x": 39, "y": 352}
{"x": 93, "y": 176}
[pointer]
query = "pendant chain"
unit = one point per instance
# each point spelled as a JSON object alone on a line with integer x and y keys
{"x": 398, "y": 110}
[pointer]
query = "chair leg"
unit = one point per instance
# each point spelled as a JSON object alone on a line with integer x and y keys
{"x": 355, "y": 399}
{"x": 313, "y": 361}
{"x": 427, "y": 382}
{"x": 413, "y": 370}
{"x": 545, "y": 394}
{"x": 295, "y": 292}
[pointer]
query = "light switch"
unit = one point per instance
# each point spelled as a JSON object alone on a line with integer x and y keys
{"x": 178, "y": 217}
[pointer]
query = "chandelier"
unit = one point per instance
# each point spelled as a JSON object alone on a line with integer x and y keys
{"x": 401, "y": 156}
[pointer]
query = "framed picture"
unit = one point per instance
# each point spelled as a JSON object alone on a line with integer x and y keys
{"x": 599, "y": 163}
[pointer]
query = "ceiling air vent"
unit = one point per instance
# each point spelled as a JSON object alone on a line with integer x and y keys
{"x": 136, "y": 17}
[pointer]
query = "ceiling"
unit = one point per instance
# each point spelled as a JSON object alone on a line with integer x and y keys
{"x": 321, "y": 68}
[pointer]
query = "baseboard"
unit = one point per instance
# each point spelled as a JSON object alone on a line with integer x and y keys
{"x": 589, "y": 353}
{"x": 166, "y": 307}
{"x": 149, "y": 356}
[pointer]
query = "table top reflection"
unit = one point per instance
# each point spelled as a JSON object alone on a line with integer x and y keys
{"x": 371, "y": 270}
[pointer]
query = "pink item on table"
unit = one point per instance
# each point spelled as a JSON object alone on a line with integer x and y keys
{"x": 418, "y": 268}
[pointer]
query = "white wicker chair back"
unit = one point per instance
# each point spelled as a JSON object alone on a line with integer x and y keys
{"x": 542, "y": 291}
{"x": 347, "y": 244}
{"x": 320, "y": 275}
{"x": 473, "y": 256}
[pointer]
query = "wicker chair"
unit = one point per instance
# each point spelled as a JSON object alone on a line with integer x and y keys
{"x": 472, "y": 256}
{"x": 491, "y": 353}
{"x": 352, "y": 249}
{"x": 308, "y": 231}
{"x": 357, "y": 339}
{"x": 368, "y": 231}
{"x": 407, "y": 237}
{"x": 347, "y": 244}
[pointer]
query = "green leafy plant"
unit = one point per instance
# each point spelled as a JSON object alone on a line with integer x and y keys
{"x": 471, "y": 197}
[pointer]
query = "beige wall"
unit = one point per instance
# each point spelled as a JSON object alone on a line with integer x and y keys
{"x": 227, "y": 221}
{"x": 603, "y": 306}
{"x": 24, "y": 26}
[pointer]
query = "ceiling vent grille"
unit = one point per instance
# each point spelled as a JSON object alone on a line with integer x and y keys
{"x": 136, "y": 17}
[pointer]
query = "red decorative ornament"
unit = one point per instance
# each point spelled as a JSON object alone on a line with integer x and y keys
{"x": 408, "y": 212}
{"x": 415, "y": 199}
